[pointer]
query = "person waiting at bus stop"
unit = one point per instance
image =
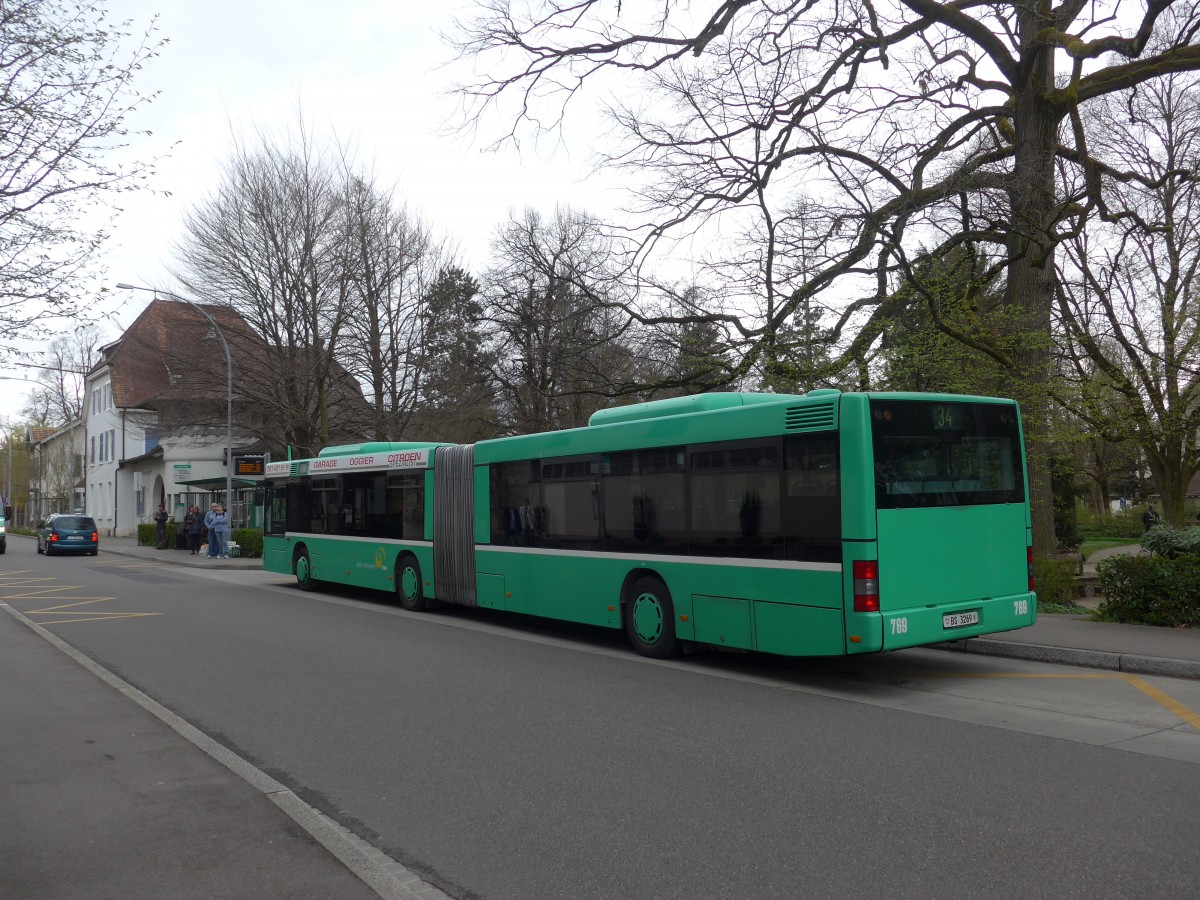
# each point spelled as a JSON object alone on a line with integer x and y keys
{"x": 160, "y": 525}
{"x": 193, "y": 524}
{"x": 218, "y": 532}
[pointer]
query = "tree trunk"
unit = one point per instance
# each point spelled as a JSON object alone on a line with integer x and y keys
{"x": 1029, "y": 290}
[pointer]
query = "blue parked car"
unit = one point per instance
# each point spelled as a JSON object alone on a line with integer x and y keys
{"x": 3, "y": 535}
{"x": 68, "y": 533}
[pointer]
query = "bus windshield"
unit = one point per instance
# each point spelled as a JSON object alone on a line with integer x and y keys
{"x": 952, "y": 453}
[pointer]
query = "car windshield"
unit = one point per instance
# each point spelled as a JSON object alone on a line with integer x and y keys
{"x": 73, "y": 523}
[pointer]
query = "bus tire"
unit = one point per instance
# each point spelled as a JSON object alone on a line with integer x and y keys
{"x": 410, "y": 589}
{"x": 304, "y": 571}
{"x": 650, "y": 619}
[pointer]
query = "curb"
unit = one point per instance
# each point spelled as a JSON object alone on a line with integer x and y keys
{"x": 1091, "y": 659}
{"x": 212, "y": 565}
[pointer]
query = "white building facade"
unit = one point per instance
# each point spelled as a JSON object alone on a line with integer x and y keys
{"x": 58, "y": 464}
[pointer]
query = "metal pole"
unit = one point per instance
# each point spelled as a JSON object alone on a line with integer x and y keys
{"x": 228, "y": 387}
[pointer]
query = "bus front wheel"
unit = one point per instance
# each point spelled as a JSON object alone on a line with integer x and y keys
{"x": 409, "y": 585}
{"x": 304, "y": 572}
{"x": 650, "y": 619}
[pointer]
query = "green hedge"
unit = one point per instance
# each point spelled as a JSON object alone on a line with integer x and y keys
{"x": 147, "y": 535}
{"x": 1151, "y": 590}
{"x": 250, "y": 540}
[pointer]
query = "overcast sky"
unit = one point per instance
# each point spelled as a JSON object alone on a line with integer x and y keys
{"x": 373, "y": 71}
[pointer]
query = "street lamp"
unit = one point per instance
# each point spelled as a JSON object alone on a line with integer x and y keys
{"x": 228, "y": 383}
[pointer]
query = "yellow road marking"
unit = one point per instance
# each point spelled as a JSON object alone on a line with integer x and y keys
{"x": 69, "y": 605}
{"x": 40, "y": 594}
{"x": 1163, "y": 699}
{"x": 98, "y": 617}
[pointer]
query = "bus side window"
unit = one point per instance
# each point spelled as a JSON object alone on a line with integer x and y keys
{"x": 276, "y": 523}
{"x": 812, "y": 506}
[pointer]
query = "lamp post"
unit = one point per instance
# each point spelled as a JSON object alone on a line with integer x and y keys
{"x": 228, "y": 383}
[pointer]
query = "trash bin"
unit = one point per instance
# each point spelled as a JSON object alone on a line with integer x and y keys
{"x": 232, "y": 550}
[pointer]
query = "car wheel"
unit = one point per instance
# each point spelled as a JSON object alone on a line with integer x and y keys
{"x": 304, "y": 572}
{"x": 409, "y": 587}
{"x": 650, "y": 619}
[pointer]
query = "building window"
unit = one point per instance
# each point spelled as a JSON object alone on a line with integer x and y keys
{"x": 93, "y": 458}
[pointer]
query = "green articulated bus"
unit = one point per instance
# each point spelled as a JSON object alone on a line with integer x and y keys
{"x": 806, "y": 525}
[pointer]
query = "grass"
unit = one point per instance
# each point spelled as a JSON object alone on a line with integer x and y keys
{"x": 1050, "y": 608}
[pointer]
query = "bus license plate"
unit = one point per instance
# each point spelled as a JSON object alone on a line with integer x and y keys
{"x": 960, "y": 620}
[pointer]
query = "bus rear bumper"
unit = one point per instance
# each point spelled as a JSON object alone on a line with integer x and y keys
{"x": 923, "y": 625}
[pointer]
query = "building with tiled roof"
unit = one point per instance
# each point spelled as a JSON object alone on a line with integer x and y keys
{"x": 155, "y": 413}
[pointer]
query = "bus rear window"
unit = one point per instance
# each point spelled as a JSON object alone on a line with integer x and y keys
{"x": 930, "y": 453}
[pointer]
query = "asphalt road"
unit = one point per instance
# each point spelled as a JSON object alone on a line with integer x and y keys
{"x": 503, "y": 757}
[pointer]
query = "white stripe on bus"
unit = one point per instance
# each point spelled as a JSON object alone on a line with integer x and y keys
{"x": 589, "y": 554}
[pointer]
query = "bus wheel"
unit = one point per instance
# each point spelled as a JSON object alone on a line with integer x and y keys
{"x": 650, "y": 619}
{"x": 408, "y": 583}
{"x": 304, "y": 574}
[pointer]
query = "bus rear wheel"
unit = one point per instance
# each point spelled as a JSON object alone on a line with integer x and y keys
{"x": 304, "y": 572}
{"x": 409, "y": 587}
{"x": 650, "y": 619}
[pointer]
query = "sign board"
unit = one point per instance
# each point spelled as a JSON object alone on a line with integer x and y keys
{"x": 248, "y": 465}
{"x": 388, "y": 459}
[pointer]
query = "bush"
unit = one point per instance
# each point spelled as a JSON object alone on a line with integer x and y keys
{"x": 249, "y": 540}
{"x": 1163, "y": 540}
{"x": 1055, "y": 580}
{"x": 1124, "y": 524}
{"x": 1151, "y": 590}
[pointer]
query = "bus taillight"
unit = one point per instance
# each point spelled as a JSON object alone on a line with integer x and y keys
{"x": 866, "y": 585}
{"x": 1029, "y": 556}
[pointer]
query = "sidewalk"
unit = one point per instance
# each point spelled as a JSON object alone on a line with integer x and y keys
{"x": 128, "y": 546}
{"x": 1078, "y": 641}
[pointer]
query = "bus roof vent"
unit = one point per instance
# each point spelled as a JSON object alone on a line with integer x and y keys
{"x": 817, "y": 416}
{"x": 675, "y": 406}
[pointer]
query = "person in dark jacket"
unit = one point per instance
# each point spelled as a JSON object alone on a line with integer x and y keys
{"x": 160, "y": 525}
{"x": 193, "y": 524}
{"x": 1150, "y": 517}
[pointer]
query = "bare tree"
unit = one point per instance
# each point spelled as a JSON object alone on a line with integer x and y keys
{"x": 271, "y": 243}
{"x": 561, "y": 343}
{"x": 918, "y": 123}
{"x": 389, "y": 261}
{"x": 1130, "y": 297}
{"x": 65, "y": 97}
{"x": 62, "y": 366}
